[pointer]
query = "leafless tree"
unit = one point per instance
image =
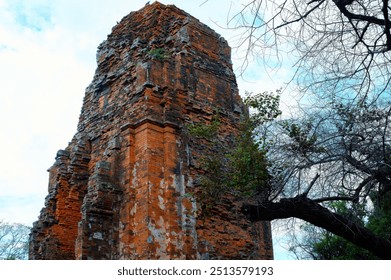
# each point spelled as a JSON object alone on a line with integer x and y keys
{"x": 339, "y": 147}
{"x": 13, "y": 241}
{"x": 333, "y": 152}
{"x": 337, "y": 45}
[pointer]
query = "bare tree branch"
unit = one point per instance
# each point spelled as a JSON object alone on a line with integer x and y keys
{"x": 342, "y": 44}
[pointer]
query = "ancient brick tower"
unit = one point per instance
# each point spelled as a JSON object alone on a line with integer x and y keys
{"x": 123, "y": 187}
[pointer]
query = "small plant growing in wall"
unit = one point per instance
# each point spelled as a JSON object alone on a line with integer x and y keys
{"x": 239, "y": 170}
{"x": 206, "y": 131}
{"x": 159, "y": 54}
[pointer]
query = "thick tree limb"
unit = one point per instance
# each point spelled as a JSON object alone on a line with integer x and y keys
{"x": 306, "y": 209}
{"x": 349, "y": 15}
{"x": 386, "y": 24}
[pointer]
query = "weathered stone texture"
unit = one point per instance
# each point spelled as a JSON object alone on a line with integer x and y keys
{"x": 122, "y": 188}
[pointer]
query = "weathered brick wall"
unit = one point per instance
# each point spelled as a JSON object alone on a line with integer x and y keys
{"x": 122, "y": 188}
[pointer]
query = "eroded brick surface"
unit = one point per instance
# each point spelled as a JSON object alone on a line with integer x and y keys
{"x": 123, "y": 187}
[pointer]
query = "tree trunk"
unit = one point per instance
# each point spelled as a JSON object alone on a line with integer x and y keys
{"x": 306, "y": 209}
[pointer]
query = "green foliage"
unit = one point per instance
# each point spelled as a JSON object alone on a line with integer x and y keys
{"x": 213, "y": 183}
{"x": 353, "y": 211}
{"x": 380, "y": 219}
{"x": 248, "y": 165}
{"x": 159, "y": 54}
{"x": 304, "y": 139}
{"x": 214, "y": 179}
{"x": 331, "y": 247}
{"x": 241, "y": 169}
{"x": 206, "y": 131}
{"x": 264, "y": 106}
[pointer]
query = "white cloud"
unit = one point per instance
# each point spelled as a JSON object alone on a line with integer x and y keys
{"x": 43, "y": 82}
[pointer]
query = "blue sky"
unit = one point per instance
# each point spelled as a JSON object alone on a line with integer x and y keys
{"x": 47, "y": 59}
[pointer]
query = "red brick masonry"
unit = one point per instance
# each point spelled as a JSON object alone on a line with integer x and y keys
{"x": 123, "y": 187}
